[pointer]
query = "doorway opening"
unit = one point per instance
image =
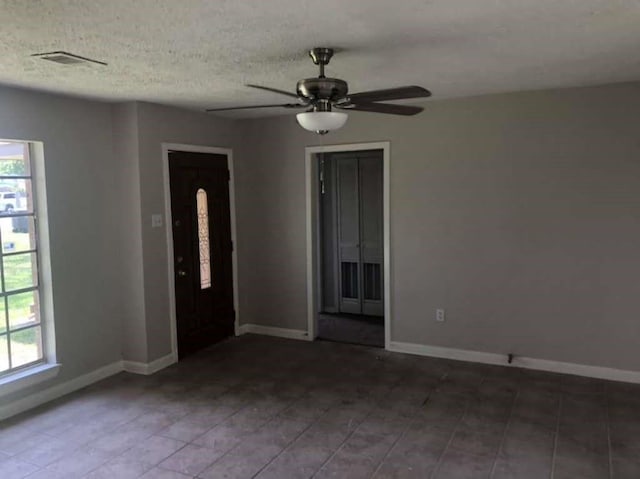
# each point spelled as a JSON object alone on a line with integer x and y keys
{"x": 348, "y": 236}
{"x": 200, "y": 232}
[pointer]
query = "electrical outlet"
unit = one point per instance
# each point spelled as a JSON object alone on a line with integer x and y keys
{"x": 440, "y": 315}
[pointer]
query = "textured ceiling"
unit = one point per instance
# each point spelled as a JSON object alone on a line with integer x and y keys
{"x": 199, "y": 53}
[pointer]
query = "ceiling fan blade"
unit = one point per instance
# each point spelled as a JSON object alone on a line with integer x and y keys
{"x": 273, "y": 90}
{"x": 286, "y": 105}
{"x": 390, "y": 94}
{"x": 388, "y": 108}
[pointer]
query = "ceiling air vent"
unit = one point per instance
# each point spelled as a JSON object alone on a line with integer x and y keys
{"x": 66, "y": 58}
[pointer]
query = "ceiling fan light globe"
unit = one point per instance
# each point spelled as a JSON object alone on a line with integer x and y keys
{"x": 322, "y": 121}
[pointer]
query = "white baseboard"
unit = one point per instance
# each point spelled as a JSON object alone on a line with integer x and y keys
{"x": 447, "y": 353}
{"x": 149, "y": 368}
{"x": 54, "y": 392}
{"x": 271, "y": 331}
{"x": 518, "y": 361}
{"x": 59, "y": 390}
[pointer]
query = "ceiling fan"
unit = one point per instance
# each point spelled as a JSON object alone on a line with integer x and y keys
{"x": 321, "y": 95}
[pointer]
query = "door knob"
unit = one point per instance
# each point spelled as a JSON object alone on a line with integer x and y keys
{"x": 182, "y": 272}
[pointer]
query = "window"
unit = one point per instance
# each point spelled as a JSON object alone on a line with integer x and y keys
{"x": 21, "y": 334}
{"x": 203, "y": 238}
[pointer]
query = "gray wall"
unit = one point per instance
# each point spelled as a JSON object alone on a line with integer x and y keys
{"x": 126, "y": 153}
{"x": 518, "y": 213}
{"x": 84, "y": 217}
{"x": 270, "y": 199}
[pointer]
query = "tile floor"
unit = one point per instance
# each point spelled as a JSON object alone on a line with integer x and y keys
{"x": 352, "y": 328}
{"x": 272, "y": 408}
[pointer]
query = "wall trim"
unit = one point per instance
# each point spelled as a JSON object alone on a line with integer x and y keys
{"x": 136, "y": 367}
{"x": 299, "y": 334}
{"x": 585, "y": 370}
{"x": 41, "y": 397}
{"x": 59, "y": 390}
{"x": 28, "y": 377}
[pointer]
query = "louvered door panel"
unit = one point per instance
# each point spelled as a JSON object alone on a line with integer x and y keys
{"x": 371, "y": 237}
{"x": 349, "y": 235}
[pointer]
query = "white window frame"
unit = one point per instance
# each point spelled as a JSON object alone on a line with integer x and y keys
{"x": 48, "y": 367}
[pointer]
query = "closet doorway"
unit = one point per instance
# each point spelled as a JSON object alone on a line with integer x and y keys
{"x": 350, "y": 226}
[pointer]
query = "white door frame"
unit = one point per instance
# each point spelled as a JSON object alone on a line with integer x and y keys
{"x": 166, "y": 147}
{"x": 311, "y": 173}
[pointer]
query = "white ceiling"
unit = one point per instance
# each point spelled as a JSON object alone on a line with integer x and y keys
{"x": 200, "y": 53}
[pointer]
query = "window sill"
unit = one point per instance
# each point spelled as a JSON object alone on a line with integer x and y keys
{"x": 28, "y": 377}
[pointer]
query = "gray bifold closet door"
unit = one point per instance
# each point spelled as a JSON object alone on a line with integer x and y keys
{"x": 357, "y": 177}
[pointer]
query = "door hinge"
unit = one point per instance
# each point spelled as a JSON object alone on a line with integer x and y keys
{"x": 231, "y": 245}
{"x": 228, "y": 175}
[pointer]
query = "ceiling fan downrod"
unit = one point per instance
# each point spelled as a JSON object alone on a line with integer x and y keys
{"x": 321, "y": 57}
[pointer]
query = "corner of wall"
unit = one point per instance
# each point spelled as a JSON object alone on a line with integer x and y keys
{"x": 126, "y": 154}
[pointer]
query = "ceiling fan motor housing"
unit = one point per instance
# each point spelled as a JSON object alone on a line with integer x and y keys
{"x": 331, "y": 89}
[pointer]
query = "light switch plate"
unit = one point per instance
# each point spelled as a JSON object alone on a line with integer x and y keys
{"x": 156, "y": 221}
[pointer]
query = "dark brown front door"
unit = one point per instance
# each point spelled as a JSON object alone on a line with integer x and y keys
{"x": 201, "y": 249}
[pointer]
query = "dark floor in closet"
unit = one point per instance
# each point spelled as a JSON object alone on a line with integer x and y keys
{"x": 352, "y": 328}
